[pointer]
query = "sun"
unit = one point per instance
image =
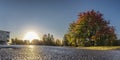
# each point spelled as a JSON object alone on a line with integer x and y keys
{"x": 31, "y": 36}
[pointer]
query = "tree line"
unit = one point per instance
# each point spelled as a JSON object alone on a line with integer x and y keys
{"x": 47, "y": 39}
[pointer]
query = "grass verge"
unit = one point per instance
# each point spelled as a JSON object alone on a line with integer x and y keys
{"x": 101, "y": 48}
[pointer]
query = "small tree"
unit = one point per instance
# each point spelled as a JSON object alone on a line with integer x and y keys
{"x": 13, "y": 41}
{"x": 17, "y": 41}
{"x": 35, "y": 42}
{"x": 58, "y": 42}
{"x": 65, "y": 41}
{"x": 48, "y": 39}
{"x": 45, "y": 39}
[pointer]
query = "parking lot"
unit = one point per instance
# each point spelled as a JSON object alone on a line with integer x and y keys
{"x": 32, "y": 52}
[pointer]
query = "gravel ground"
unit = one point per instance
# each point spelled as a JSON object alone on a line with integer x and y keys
{"x": 55, "y": 53}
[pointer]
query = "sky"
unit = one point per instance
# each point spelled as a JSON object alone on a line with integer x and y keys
{"x": 52, "y": 16}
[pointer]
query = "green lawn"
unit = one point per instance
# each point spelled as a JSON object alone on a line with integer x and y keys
{"x": 101, "y": 48}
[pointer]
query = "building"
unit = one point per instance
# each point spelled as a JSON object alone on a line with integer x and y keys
{"x": 4, "y": 37}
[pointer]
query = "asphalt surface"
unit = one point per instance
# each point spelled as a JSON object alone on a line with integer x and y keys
{"x": 21, "y": 52}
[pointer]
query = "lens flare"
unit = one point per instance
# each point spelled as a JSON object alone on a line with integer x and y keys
{"x": 31, "y": 36}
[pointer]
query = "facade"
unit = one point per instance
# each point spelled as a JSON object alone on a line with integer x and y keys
{"x": 4, "y": 37}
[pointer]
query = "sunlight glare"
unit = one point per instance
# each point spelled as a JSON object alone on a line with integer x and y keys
{"x": 31, "y": 36}
{"x": 31, "y": 46}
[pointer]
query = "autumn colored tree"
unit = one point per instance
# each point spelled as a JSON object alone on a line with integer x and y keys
{"x": 91, "y": 29}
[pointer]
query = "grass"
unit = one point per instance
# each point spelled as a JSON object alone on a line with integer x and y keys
{"x": 101, "y": 48}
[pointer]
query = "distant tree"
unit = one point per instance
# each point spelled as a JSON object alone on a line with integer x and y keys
{"x": 45, "y": 39}
{"x": 17, "y": 41}
{"x": 91, "y": 29}
{"x": 65, "y": 40}
{"x": 27, "y": 42}
{"x": 13, "y": 41}
{"x": 48, "y": 39}
{"x": 52, "y": 40}
{"x": 35, "y": 42}
{"x": 58, "y": 42}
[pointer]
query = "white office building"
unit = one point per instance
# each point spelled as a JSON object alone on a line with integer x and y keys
{"x": 4, "y": 37}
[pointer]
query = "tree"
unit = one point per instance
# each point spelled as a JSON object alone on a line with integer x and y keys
{"x": 35, "y": 42}
{"x": 13, "y": 41}
{"x": 48, "y": 39}
{"x": 27, "y": 42}
{"x": 91, "y": 29}
{"x": 44, "y": 39}
{"x": 65, "y": 40}
{"x": 17, "y": 41}
{"x": 58, "y": 43}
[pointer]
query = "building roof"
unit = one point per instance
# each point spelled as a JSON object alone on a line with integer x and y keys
{"x": 5, "y": 31}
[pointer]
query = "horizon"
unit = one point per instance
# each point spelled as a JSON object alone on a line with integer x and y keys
{"x": 54, "y": 17}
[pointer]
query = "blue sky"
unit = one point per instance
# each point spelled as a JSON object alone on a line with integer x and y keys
{"x": 52, "y": 16}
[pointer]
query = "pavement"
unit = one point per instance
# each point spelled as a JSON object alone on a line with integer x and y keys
{"x": 33, "y": 52}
